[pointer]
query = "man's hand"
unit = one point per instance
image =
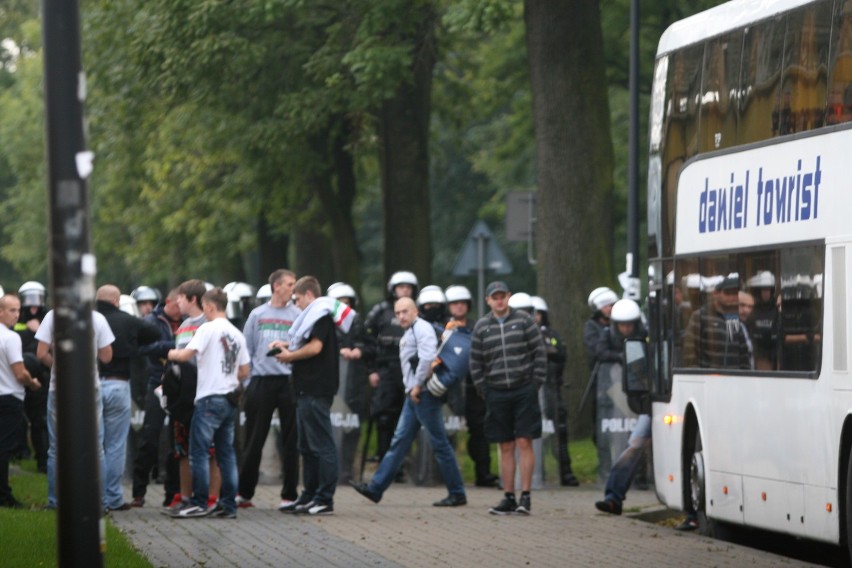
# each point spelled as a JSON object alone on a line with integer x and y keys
{"x": 375, "y": 379}
{"x": 415, "y": 394}
{"x": 34, "y": 385}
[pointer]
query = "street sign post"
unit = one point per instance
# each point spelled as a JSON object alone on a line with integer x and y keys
{"x": 479, "y": 253}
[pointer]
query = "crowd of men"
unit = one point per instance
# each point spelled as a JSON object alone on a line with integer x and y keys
{"x": 203, "y": 361}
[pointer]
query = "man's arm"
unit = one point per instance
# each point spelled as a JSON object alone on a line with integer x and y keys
{"x": 310, "y": 349}
{"x": 23, "y": 376}
{"x": 476, "y": 361}
{"x": 181, "y": 355}
{"x": 44, "y": 354}
{"x": 105, "y": 354}
{"x": 243, "y": 371}
{"x": 536, "y": 345}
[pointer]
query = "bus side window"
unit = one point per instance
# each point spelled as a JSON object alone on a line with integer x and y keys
{"x": 720, "y": 92}
{"x": 760, "y": 103}
{"x": 800, "y": 309}
{"x": 803, "y": 83}
{"x": 840, "y": 70}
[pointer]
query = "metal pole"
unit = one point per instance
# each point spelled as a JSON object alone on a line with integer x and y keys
{"x": 633, "y": 144}
{"x": 80, "y": 527}
{"x": 480, "y": 274}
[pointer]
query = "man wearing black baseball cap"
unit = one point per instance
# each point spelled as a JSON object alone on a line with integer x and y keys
{"x": 714, "y": 337}
{"x": 508, "y": 365}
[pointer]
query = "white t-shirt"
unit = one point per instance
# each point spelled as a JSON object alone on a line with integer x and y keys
{"x": 221, "y": 351}
{"x": 103, "y": 337}
{"x": 10, "y": 353}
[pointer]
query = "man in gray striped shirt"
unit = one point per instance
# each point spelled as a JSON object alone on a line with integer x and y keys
{"x": 508, "y": 364}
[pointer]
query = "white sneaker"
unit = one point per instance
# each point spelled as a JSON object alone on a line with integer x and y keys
{"x": 243, "y": 503}
{"x": 285, "y": 505}
{"x": 190, "y": 512}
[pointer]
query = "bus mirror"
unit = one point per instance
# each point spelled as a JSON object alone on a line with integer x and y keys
{"x": 636, "y": 375}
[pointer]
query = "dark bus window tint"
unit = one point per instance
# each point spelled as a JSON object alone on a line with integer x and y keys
{"x": 685, "y": 297}
{"x": 720, "y": 92}
{"x": 759, "y": 307}
{"x": 840, "y": 70}
{"x": 800, "y": 307}
{"x": 763, "y": 48}
{"x": 680, "y": 129}
{"x": 803, "y": 82}
{"x": 715, "y": 338}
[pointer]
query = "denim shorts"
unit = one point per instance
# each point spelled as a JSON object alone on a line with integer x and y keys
{"x": 512, "y": 414}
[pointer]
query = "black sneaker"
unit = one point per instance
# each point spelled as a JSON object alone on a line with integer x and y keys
{"x": 505, "y": 507}
{"x": 315, "y": 508}
{"x": 12, "y": 503}
{"x": 489, "y": 481}
{"x": 364, "y": 490}
{"x": 295, "y": 506}
{"x": 452, "y": 500}
{"x": 690, "y": 523}
{"x": 569, "y": 480}
{"x": 610, "y": 506}
{"x": 524, "y": 506}
{"x": 220, "y": 512}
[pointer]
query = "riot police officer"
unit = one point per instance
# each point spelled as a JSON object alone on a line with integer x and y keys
{"x": 601, "y": 301}
{"x": 383, "y": 335}
{"x": 554, "y": 406}
{"x": 459, "y": 305}
{"x": 33, "y": 310}
{"x": 354, "y": 384}
{"x": 147, "y": 298}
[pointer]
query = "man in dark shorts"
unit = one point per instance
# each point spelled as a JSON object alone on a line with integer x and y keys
{"x": 508, "y": 365}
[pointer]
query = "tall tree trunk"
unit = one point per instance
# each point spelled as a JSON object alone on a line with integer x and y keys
{"x": 272, "y": 249}
{"x": 574, "y": 163}
{"x": 312, "y": 247}
{"x": 337, "y": 195}
{"x": 404, "y": 155}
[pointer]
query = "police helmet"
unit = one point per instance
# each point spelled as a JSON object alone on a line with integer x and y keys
{"x": 601, "y": 297}
{"x": 127, "y": 304}
{"x": 32, "y": 293}
{"x": 239, "y": 295}
{"x": 341, "y": 290}
{"x": 146, "y": 294}
{"x": 264, "y": 293}
{"x": 457, "y": 294}
{"x": 431, "y": 295}
{"x": 763, "y": 279}
{"x": 521, "y": 301}
{"x": 625, "y": 310}
{"x": 538, "y": 303}
{"x": 402, "y": 277}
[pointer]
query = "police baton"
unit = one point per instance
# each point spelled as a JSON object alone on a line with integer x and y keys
{"x": 592, "y": 381}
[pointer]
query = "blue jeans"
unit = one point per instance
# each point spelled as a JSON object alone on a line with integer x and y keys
{"x": 429, "y": 415}
{"x": 213, "y": 423}
{"x": 316, "y": 444}
{"x": 624, "y": 467}
{"x": 115, "y": 397}
{"x": 52, "y": 500}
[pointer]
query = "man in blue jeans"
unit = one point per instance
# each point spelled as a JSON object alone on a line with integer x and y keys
{"x": 223, "y": 361}
{"x": 312, "y": 349}
{"x": 417, "y": 350}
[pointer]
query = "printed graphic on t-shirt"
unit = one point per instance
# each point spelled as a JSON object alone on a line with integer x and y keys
{"x": 230, "y": 351}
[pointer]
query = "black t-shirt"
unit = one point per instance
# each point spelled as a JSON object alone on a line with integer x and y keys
{"x": 319, "y": 375}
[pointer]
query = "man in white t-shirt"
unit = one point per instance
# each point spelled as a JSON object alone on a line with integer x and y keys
{"x": 223, "y": 361}
{"x": 13, "y": 380}
{"x": 44, "y": 352}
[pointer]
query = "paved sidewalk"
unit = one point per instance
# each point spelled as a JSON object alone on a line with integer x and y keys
{"x": 405, "y": 530}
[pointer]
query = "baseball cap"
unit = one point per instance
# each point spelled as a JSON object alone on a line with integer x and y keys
{"x": 496, "y": 286}
{"x": 730, "y": 281}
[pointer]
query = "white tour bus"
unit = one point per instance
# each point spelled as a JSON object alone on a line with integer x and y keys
{"x": 750, "y": 189}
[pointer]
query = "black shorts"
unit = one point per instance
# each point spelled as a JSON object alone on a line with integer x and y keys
{"x": 512, "y": 414}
